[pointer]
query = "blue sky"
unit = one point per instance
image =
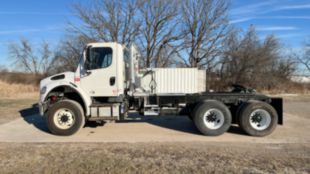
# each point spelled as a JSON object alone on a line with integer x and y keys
{"x": 39, "y": 20}
{"x": 36, "y": 20}
{"x": 287, "y": 19}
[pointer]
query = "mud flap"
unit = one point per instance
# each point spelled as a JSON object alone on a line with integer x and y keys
{"x": 277, "y": 103}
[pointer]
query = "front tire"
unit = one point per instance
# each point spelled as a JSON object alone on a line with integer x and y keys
{"x": 65, "y": 117}
{"x": 257, "y": 118}
{"x": 212, "y": 118}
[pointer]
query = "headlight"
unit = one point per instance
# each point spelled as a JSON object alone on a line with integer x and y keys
{"x": 43, "y": 90}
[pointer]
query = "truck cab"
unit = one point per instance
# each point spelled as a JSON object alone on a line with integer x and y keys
{"x": 97, "y": 86}
{"x": 99, "y": 72}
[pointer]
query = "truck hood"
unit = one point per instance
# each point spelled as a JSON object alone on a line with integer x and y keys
{"x": 65, "y": 76}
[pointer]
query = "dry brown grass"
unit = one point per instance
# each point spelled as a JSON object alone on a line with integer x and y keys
{"x": 154, "y": 158}
{"x": 288, "y": 88}
{"x": 15, "y": 97}
{"x": 21, "y": 77}
{"x": 14, "y": 90}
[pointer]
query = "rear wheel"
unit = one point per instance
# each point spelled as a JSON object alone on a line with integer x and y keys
{"x": 212, "y": 118}
{"x": 65, "y": 117}
{"x": 258, "y": 118}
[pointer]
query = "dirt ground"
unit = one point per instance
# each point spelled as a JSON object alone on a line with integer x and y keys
{"x": 152, "y": 146}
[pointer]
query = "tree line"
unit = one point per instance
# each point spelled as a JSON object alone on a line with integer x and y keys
{"x": 175, "y": 33}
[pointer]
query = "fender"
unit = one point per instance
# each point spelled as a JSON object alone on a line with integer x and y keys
{"x": 50, "y": 85}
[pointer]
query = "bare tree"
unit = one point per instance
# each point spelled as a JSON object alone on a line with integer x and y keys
{"x": 159, "y": 32}
{"x": 285, "y": 67}
{"x": 250, "y": 61}
{"x": 157, "y": 26}
{"x": 68, "y": 54}
{"x": 25, "y": 56}
{"x": 205, "y": 25}
{"x": 305, "y": 58}
{"x": 108, "y": 21}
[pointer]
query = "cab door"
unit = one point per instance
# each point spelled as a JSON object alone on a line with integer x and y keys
{"x": 98, "y": 77}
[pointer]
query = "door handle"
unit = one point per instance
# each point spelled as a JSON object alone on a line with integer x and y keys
{"x": 112, "y": 81}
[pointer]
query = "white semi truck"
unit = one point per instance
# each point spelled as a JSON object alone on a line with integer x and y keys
{"x": 108, "y": 83}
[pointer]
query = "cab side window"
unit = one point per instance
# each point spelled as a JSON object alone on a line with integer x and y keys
{"x": 98, "y": 57}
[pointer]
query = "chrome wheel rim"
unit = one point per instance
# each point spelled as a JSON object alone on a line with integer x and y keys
{"x": 64, "y": 118}
{"x": 213, "y": 118}
{"x": 260, "y": 119}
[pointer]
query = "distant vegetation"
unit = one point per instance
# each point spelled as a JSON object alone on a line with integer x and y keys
{"x": 15, "y": 84}
{"x": 16, "y": 89}
{"x": 20, "y": 78}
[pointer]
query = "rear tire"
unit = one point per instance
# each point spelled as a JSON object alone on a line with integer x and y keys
{"x": 65, "y": 117}
{"x": 212, "y": 118}
{"x": 257, "y": 118}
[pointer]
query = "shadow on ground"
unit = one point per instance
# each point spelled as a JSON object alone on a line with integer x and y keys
{"x": 178, "y": 123}
{"x": 31, "y": 116}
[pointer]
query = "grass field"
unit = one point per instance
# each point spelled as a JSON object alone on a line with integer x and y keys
{"x": 15, "y": 90}
{"x": 154, "y": 158}
{"x": 13, "y": 98}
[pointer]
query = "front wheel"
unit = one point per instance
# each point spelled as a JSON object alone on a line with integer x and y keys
{"x": 65, "y": 117}
{"x": 212, "y": 118}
